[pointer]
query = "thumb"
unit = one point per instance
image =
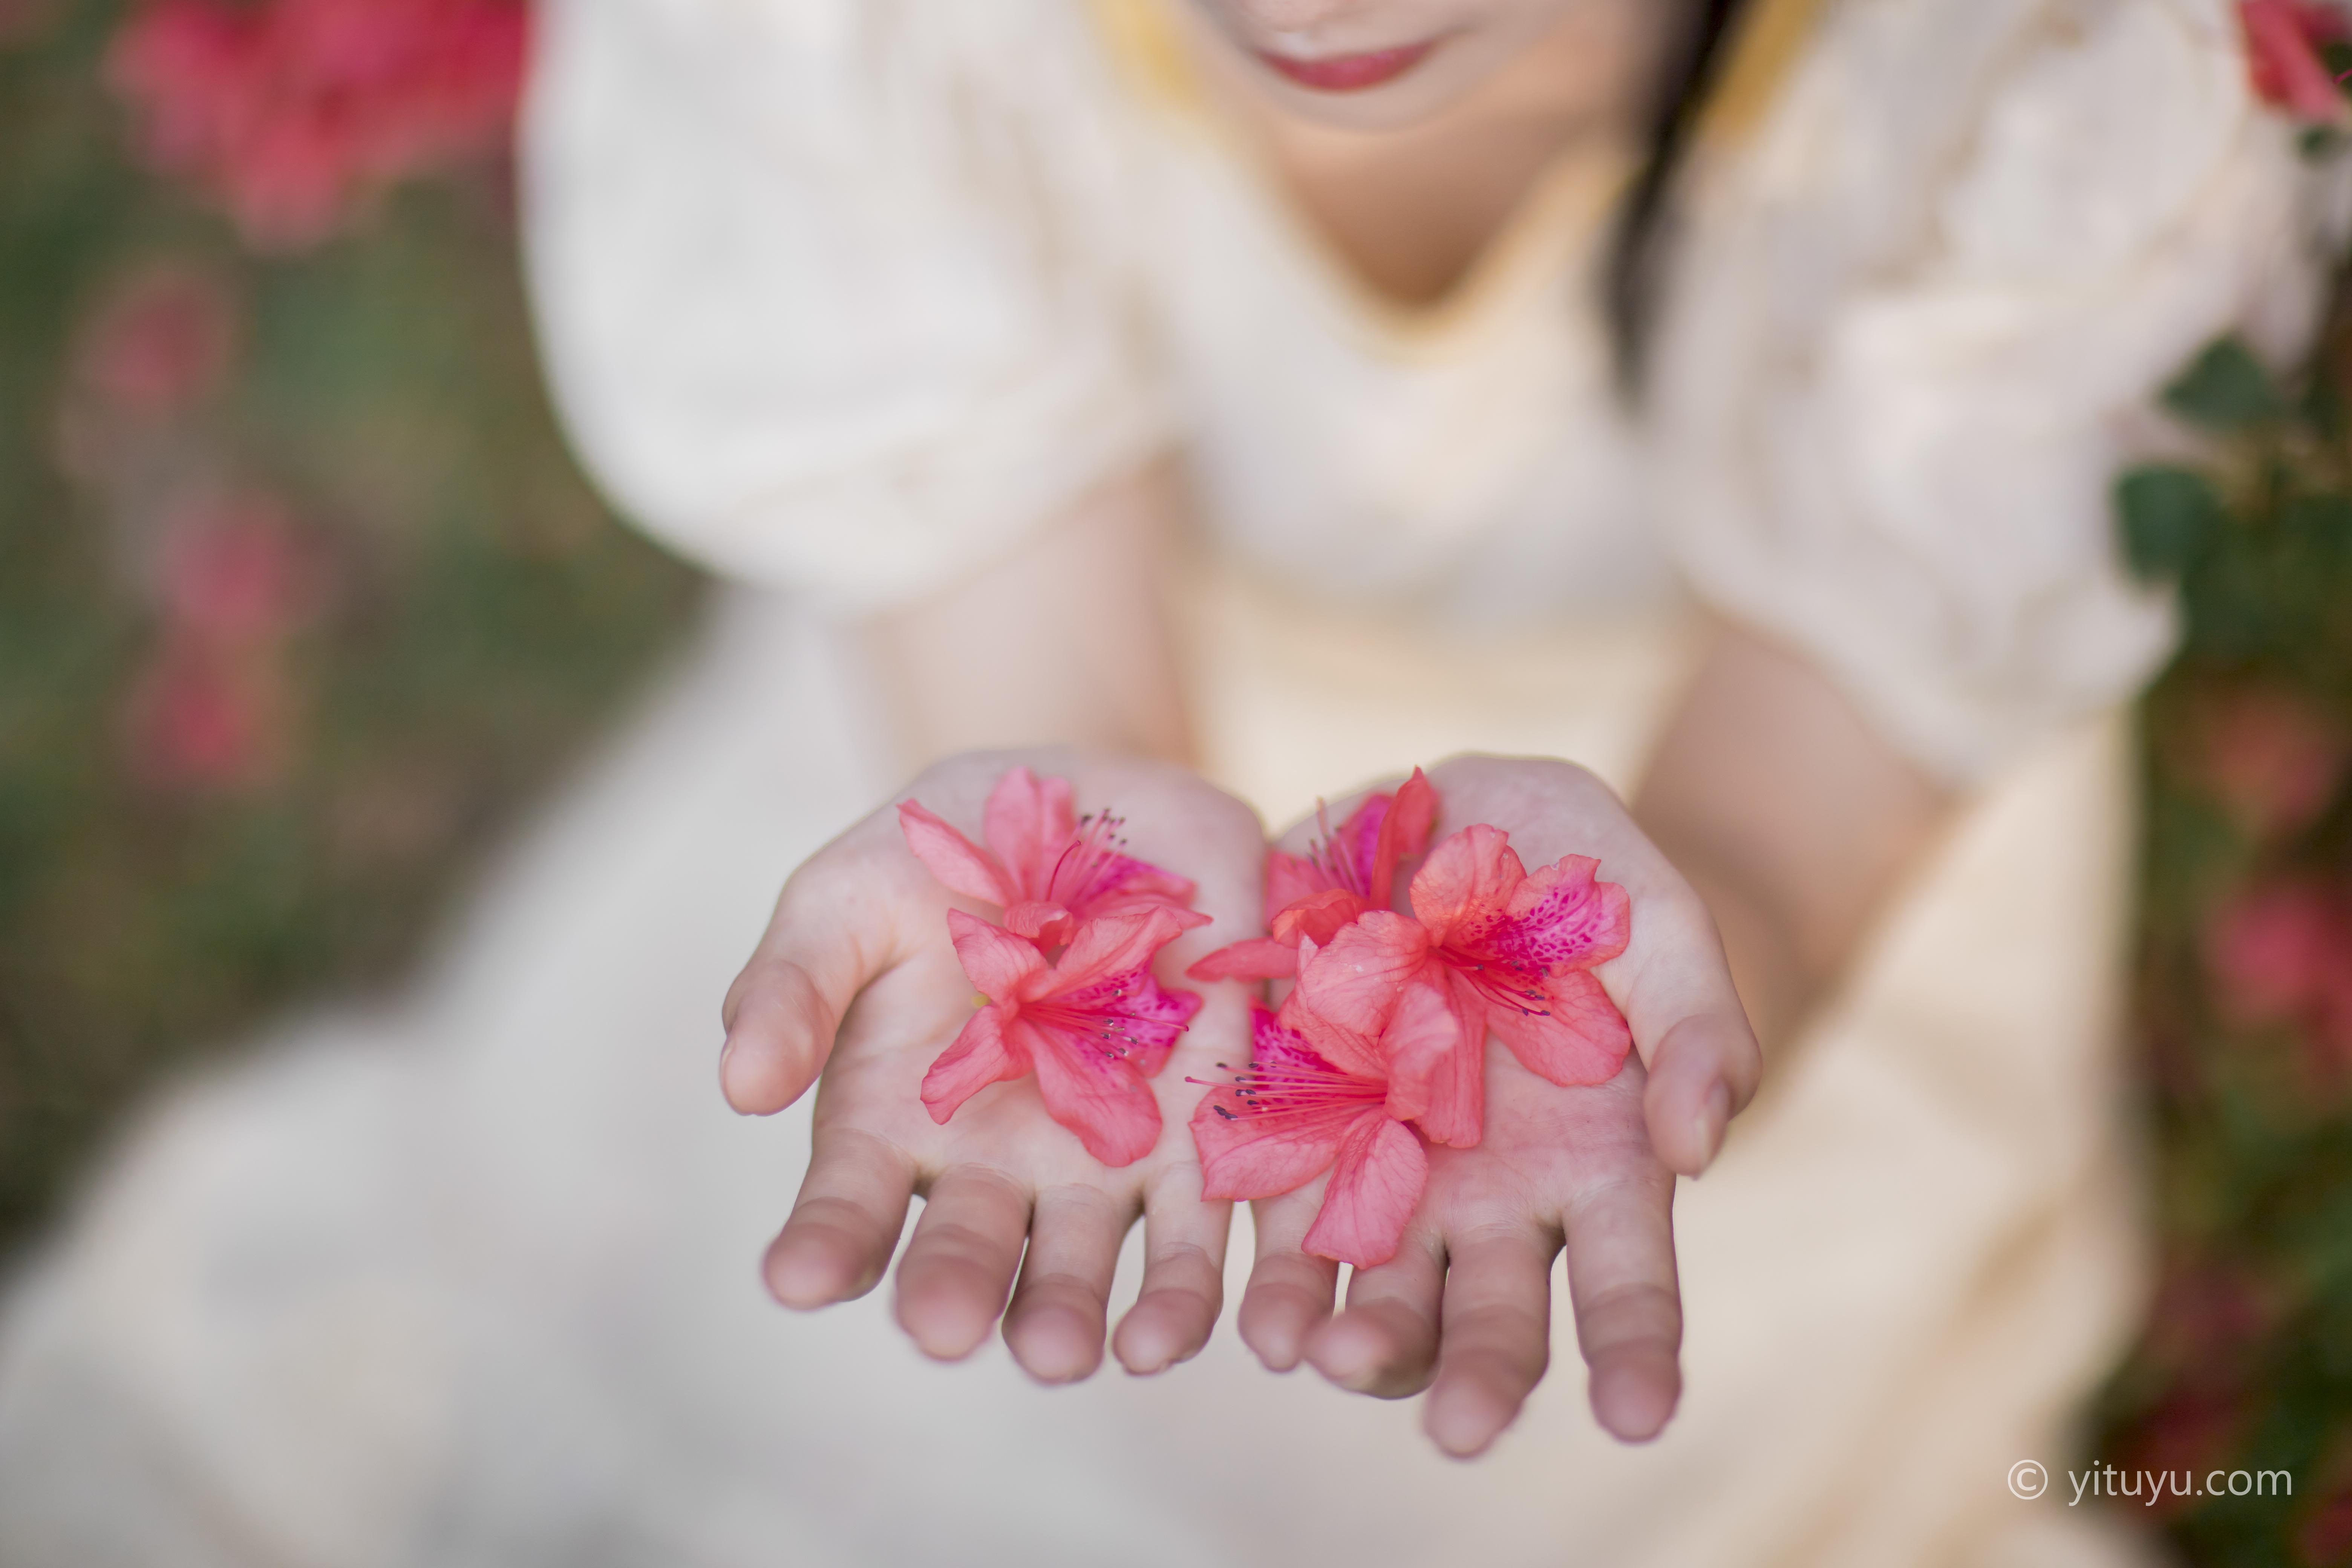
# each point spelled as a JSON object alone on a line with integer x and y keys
{"x": 837, "y": 927}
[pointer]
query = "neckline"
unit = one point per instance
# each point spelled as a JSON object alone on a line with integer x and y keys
{"x": 1569, "y": 198}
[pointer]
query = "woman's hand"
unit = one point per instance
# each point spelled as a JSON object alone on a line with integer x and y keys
{"x": 1464, "y": 1308}
{"x": 855, "y": 981}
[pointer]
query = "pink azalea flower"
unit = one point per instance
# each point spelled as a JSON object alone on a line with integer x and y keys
{"x": 161, "y": 343}
{"x": 2273, "y": 951}
{"x": 2283, "y": 43}
{"x": 204, "y": 720}
{"x": 1492, "y": 947}
{"x": 233, "y": 570}
{"x": 2283, "y": 954}
{"x": 2275, "y": 760}
{"x": 1051, "y": 871}
{"x": 1093, "y": 1027}
{"x": 2194, "y": 1428}
{"x": 1347, "y": 872}
{"x": 1294, "y": 1114}
{"x": 292, "y": 114}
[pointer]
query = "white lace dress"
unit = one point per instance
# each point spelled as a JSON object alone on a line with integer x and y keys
{"x": 842, "y": 298}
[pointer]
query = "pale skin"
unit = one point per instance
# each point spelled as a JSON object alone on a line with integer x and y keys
{"x": 1771, "y": 826}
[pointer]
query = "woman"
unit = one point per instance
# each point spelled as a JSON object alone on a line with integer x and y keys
{"x": 1232, "y": 382}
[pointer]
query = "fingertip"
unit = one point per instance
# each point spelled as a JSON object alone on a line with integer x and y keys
{"x": 1464, "y": 1417}
{"x": 941, "y": 1330}
{"x": 1275, "y": 1320}
{"x": 1158, "y": 1333}
{"x": 1701, "y": 1077}
{"x": 779, "y": 1033}
{"x": 757, "y": 1077}
{"x": 1713, "y": 1120}
{"x": 1687, "y": 1123}
{"x": 1054, "y": 1343}
{"x": 1353, "y": 1349}
{"x": 1634, "y": 1392}
{"x": 806, "y": 1270}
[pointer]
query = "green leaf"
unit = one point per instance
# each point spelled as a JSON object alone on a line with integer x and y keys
{"x": 2321, "y": 523}
{"x": 2170, "y": 517}
{"x": 2226, "y": 389}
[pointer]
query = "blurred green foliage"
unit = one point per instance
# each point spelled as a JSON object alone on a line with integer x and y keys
{"x": 476, "y": 612}
{"x": 2243, "y": 996}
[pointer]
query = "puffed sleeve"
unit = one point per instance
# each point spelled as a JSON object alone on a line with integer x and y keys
{"x": 1926, "y": 311}
{"x": 829, "y": 291}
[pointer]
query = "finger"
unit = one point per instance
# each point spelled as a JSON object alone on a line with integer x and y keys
{"x": 1386, "y": 1341}
{"x": 1628, "y": 1315}
{"x": 1290, "y": 1289}
{"x": 844, "y": 1223}
{"x": 1496, "y": 1340}
{"x": 1703, "y": 1058}
{"x": 1184, "y": 1275}
{"x": 1054, "y": 1326}
{"x": 958, "y": 1264}
{"x": 833, "y": 929}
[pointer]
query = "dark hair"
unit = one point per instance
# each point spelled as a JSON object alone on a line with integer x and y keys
{"x": 1644, "y": 223}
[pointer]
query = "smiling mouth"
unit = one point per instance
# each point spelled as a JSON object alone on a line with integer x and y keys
{"x": 1349, "y": 73}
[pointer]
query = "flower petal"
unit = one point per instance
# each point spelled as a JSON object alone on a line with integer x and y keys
{"x": 1437, "y": 1048}
{"x": 1279, "y": 1124}
{"x": 1405, "y": 830}
{"x": 1356, "y": 842}
{"x": 1256, "y": 958}
{"x": 1095, "y": 1094}
{"x": 2284, "y": 62}
{"x": 979, "y": 1056}
{"x": 1028, "y": 821}
{"x": 1375, "y": 1184}
{"x": 1463, "y": 889}
{"x": 1348, "y": 991}
{"x": 1113, "y": 945}
{"x": 1317, "y": 917}
{"x": 961, "y": 866}
{"x": 1288, "y": 879}
{"x": 1562, "y": 918}
{"x": 1241, "y": 1158}
{"x": 996, "y": 961}
{"x": 1580, "y": 1037}
{"x": 1042, "y": 920}
{"x": 1137, "y": 1019}
{"x": 1122, "y": 883}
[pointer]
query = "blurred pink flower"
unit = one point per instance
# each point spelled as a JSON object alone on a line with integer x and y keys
{"x": 206, "y": 719}
{"x": 2283, "y": 42}
{"x": 234, "y": 572}
{"x": 213, "y": 708}
{"x": 2271, "y": 949}
{"x": 159, "y": 342}
{"x": 2283, "y": 954}
{"x": 2275, "y": 761}
{"x": 2194, "y": 1429}
{"x": 294, "y": 112}
{"x": 2210, "y": 1319}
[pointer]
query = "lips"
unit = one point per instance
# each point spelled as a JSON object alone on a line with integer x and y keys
{"x": 1351, "y": 73}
